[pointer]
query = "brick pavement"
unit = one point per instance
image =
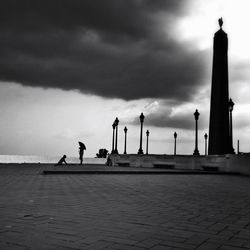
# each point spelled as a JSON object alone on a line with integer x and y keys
{"x": 122, "y": 211}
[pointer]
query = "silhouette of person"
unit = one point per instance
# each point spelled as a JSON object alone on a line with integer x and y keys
{"x": 109, "y": 161}
{"x": 81, "y": 151}
{"x": 61, "y": 161}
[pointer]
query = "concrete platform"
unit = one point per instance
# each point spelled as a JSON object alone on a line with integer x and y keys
{"x": 67, "y": 211}
{"x": 136, "y": 171}
{"x": 103, "y": 169}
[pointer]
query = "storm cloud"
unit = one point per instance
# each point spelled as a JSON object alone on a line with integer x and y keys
{"x": 112, "y": 48}
{"x": 179, "y": 121}
{"x": 164, "y": 114}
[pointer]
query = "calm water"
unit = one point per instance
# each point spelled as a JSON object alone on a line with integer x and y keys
{"x": 46, "y": 159}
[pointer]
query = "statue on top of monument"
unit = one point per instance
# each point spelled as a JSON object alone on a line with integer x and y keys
{"x": 220, "y": 22}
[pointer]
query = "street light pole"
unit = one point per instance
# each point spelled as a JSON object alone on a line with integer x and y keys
{"x": 125, "y": 143}
{"x": 196, "y": 117}
{"x": 116, "y": 126}
{"x": 147, "y": 134}
{"x": 140, "y": 151}
{"x": 230, "y": 108}
{"x": 113, "y": 139}
{"x": 205, "y": 136}
{"x": 175, "y": 136}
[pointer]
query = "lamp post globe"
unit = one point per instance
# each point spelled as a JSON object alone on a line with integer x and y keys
{"x": 230, "y": 105}
{"x": 116, "y": 121}
{"x": 125, "y": 130}
{"x": 196, "y": 114}
{"x": 141, "y": 118}
{"x": 175, "y": 135}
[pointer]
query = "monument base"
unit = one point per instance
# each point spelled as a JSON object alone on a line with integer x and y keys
{"x": 225, "y": 163}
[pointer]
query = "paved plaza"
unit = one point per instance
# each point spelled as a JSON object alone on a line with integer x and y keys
{"x": 128, "y": 211}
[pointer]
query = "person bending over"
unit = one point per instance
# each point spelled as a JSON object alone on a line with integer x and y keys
{"x": 61, "y": 161}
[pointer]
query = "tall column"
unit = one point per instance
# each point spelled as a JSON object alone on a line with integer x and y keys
{"x": 140, "y": 151}
{"x": 219, "y": 117}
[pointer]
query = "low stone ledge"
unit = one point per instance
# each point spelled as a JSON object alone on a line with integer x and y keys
{"x": 210, "y": 167}
{"x": 166, "y": 165}
{"x": 123, "y": 163}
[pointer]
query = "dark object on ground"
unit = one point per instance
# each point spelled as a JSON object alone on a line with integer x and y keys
{"x": 109, "y": 161}
{"x": 102, "y": 153}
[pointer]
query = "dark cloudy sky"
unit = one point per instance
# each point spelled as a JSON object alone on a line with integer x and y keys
{"x": 68, "y": 68}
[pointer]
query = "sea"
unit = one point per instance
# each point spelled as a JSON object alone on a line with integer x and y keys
{"x": 47, "y": 159}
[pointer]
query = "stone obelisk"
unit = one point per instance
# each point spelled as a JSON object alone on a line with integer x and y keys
{"x": 219, "y": 140}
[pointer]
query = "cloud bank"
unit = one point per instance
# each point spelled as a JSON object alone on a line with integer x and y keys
{"x": 112, "y": 48}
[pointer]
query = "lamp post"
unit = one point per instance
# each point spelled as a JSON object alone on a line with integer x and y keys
{"x": 205, "y": 137}
{"x": 230, "y": 108}
{"x": 196, "y": 117}
{"x": 147, "y": 134}
{"x": 113, "y": 139}
{"x": 116, "y": 132}
{"x": 125, "y": 143}
{"x": 175, "y": 136}
{"x": 140, "y": 151}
